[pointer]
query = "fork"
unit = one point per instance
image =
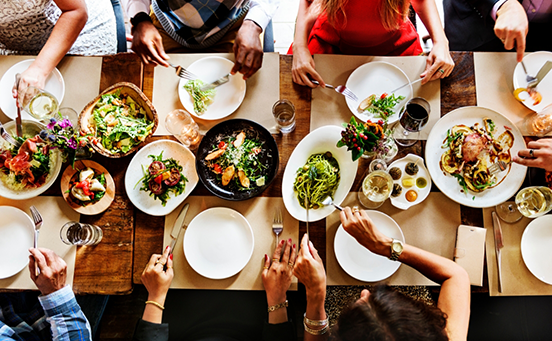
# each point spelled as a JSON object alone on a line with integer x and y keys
{"x": 7, "y": 136}
{"x": 340, "y": 89}
{"x": 530, "y": 79}
{"x": 277, "y": 224}
{"x": 183, "y": 73}
{"x": 498, "y": 167}
{"x": 37, "y": 219}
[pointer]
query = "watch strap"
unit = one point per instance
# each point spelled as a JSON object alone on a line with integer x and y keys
{"x": 140, "y": 17}
{"x": 394, "y": 254}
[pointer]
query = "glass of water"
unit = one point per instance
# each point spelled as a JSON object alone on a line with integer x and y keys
{"x": 284, "y": 114}
{"x": 181, "y": 124}
{"x": 75, "y": 233}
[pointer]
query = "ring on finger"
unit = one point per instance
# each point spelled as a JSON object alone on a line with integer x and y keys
{"x": 265, "y": 267}
{"x": 355, "y": 209}
{"x": 531, "y": 152}
{"x": 290, "y": 264}
{"x": 159, "y": 262}
{"x": 275, "y": 260}
{"x": 442, "y": 71}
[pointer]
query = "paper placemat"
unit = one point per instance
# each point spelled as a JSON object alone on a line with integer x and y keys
{"x": 430, "y": 225}
{"x": 494, "y": 87}
{"x": 330, "y": 108}
{"x": 517, "y": 280}
{"x": 55, "y": 212}
{"x": 262, "y": 91}
{"x": 259, "y": 212}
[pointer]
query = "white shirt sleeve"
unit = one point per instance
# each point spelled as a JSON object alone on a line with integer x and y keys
{"x": 496, "y": 7}
{"x": 133, "y": 7}
{"x": 262, "y": 11}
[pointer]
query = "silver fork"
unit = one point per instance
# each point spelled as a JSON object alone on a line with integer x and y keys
{"x": 183, "y": 73}
{"x": 340, "y": 89}
{"x": 277, "y": 224}
{"x": 530, "y": 79}
{"x": 498, "y": 167}
{"x": 37, "y": 218}
{"x": 7, "y": 136}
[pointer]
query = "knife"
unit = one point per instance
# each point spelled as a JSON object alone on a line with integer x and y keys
{"x": 18, "y": 127}
{"x": 178, "y": 226}
{"x": 218, "y": 82}
{"x": 407, "y": 84}
{"x": 542, "y": 73}
{"x": 307, "y": 208}
{"x": 499, "y": 244}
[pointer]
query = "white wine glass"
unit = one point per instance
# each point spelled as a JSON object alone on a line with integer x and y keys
{"x": 508, "y": 212}
{"x": 38, "y": 103}
{"x": 375, "y": 189}
{"x": 534, "y": 201}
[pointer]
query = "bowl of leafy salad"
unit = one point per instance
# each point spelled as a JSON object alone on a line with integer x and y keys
{"x": 119, "y": 120}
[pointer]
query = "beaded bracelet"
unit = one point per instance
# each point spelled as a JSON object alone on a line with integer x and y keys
{"x": 278, "y": 306}
{"x": 314, "y": 323}
{"x": 316, "y": 331}
{"x": 156, "y": 304}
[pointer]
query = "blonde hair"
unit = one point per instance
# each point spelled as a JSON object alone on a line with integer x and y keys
{"x": 392, "y": 12}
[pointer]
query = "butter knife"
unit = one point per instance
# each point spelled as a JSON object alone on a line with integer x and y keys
{"x": 178, "y": 226}
{"x": 18, "y": 126}
{"x": 541, "y": 74}
{"x": 406, "y": 84}
{"x": 218, "y": 82}
{"x": 499, "y": 244}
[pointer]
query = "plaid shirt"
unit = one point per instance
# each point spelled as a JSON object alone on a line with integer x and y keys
{"x": 56, "y": 316}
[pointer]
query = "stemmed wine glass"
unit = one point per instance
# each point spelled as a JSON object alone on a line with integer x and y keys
{"x": 412, "y": 120}
{"x": 531, "y": 202}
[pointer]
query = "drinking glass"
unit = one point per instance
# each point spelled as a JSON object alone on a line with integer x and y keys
{"x": 75, "y": 233}
{"x": 181, "y": 124}
{"x": 508, "y": 212}
{"x": 534, "y": 201}
{"x": 376, "y": 188}
{"x": 284, "y": 114}
{"x": 538, "y": 124}
{"x": 71, "y": 115}
{"x": 412, "y": 120}
{"x": 38, "y": 103}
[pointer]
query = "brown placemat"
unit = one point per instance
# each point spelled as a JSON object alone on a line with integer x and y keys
{"x": 259, "y": 212}
{"x": 55, "y": 212}
{"x": 517, "y": 280}
{"x": 262, "y": 90}
{"x": 430, "y": 225}
{"x": 494, "y": 84}
{"x": 330, "y": 108}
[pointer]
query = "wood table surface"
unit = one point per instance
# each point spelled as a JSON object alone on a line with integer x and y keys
{"x": 131, "y": 236}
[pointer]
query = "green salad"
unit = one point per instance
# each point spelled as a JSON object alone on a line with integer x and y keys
{"x": 121, "y": 123}
{"x": 382, "y": 106}
{"x": 201, "y": 99}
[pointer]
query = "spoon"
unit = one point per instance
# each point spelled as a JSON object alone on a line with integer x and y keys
{"x": 328, "y": 201}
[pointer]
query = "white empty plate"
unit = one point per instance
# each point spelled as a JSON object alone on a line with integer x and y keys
{"x": 17, "y": 231}
{"x": 535, "y": 248}
{"x": 533, "y": 63}
{"x": 218, "y": 243}
{"x": 377, "y": 78}
{"x": 361, "y": 263}
{"x": 228, "y": 96}
{"x": 54, "y": 85}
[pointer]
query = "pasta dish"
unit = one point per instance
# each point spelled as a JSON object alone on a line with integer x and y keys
{"x": 317, "y": 179}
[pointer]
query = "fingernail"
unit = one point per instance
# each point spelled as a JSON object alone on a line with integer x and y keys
{"x": 166, "y": 247}
{"x": 266, "y": 256}
{"x": 289, "y": 240}
{"x": 171, "y": 256}
{"x": 282, "y": 242}
{"x": 294, "y": 246}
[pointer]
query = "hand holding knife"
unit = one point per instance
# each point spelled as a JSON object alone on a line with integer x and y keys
{"x": 178, "y": 227}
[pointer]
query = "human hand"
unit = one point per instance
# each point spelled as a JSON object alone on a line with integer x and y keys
{"x": 309, "y": 270}
{"x": 542, "y": 154}
{"x": 439, "y": 63}
{"x": 511, "y": 26}
{"x": 33, "y": 76}
{"x": 148, "y": 44}
{"x": 156, "y": 279}
{"x": 277, "y": 276}
{"x": 303, "y": 68}
{"x": 248, "y": 49}
{"x": 359, "y": 225}
{"x": 53, "y": 270}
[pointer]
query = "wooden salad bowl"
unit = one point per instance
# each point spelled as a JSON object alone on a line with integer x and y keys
{"x": 86, "y": 117}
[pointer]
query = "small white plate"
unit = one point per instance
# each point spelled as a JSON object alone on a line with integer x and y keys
{"x": 535, "y": 248}
{"x": 361, "y": 263}
{"x": 54, "y": 85}
{"x": 218, "y": 243}
{"x": 228, "y": 96}
{"x": 400, "y": 201}
{"x": 141, "y": 199}
{"x": 533, "y": 63}
{"x": 319, "y": 141}
{"x": 377, "y": 78}
{"x": 17, "y": 231}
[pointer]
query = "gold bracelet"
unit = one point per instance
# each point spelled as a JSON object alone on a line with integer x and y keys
{"x": 278, "y": 306}
{"x": 156, "y": 304}
{"x": 316, "y": 331}
{"x": 314, "y": 323}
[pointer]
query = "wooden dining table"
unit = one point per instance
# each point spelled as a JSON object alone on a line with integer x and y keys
{"x": 130, "y": 236}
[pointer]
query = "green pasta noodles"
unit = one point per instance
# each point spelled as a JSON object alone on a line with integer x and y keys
{"x": 317, "y": 179}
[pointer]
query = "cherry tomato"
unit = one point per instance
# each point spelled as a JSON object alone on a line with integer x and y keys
{"x": 383, "y": 95}
{"x": 222, "y": 145}
{"x": 85, "y": 186}
{"x": 163, "y": 176}
{"x": 217, "y": 169}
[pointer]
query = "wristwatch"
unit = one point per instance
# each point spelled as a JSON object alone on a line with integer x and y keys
{"x": 396, "y": 249}
{"x": 138, "y": 18}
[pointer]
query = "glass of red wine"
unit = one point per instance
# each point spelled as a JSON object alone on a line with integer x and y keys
{"x": 412, "y": 120}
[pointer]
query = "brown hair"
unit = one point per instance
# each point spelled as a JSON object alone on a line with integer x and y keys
{"x": 389, "y": 316}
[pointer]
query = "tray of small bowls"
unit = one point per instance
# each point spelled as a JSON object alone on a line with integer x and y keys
{"x": 411, "y": 181}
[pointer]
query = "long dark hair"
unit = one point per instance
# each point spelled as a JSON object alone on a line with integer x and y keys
{"x": 390, "y": 316}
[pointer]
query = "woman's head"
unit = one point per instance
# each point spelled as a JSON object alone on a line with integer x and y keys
{"x": 385, "y": 314}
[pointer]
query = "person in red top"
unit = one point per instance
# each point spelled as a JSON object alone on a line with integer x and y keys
{"x": 357, "y": 27}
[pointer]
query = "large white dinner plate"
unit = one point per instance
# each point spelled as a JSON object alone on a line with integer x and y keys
{"x": 134, "y": 174}
{"x": 54, "y": 85}
{"x": 533, "y": 63}
{"x": 17, "y": 231}
{"x": 448, "y": 184}
{"x": 535, "y": 248}
{"x": 377, "y": 78}
{"x": 321, "y": 140}
{"x": 218, "y": 243}
{"x": 361, "y": 263}
{"x": 228, "y": 96}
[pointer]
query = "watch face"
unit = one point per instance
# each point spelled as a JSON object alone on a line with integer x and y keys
{"x": 397, "y": 247}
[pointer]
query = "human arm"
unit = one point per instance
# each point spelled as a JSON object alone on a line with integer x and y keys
{"x": 309, "y": 270}
{"x": 454, "y": 297}
{"x": 60, "y": 307}
{"x": 542, "y": 154}
{"x": 66, "y": 30}
{"x": 303, "y": 63}
{"x": 439, "y": 58}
